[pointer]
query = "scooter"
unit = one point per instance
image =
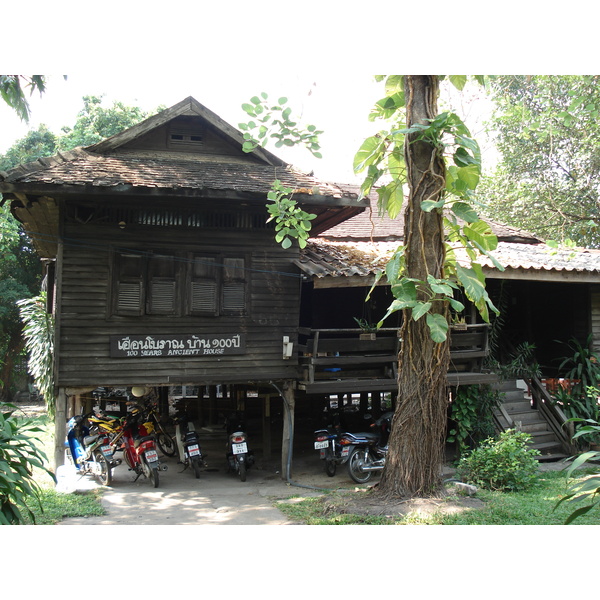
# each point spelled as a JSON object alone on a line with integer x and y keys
{"x": 239, "y": 457}
{"x": 139, "y": 446}
{"x": 90, "y": 453}
{"x": 365, "y": 452}
{"x": 188, "y": 444}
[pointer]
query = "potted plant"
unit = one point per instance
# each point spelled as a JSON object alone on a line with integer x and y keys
{"x": 368, "y": 329}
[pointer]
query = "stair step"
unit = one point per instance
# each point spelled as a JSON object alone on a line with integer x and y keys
{"x": 555, "y": 457}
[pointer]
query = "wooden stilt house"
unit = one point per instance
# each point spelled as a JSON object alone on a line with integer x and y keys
{"x": 162, "y": 269}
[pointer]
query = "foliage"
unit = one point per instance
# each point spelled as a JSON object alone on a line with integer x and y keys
{"x": 12, "y": 91}
{"x": 502, "y": 463}
{"x": 273, "y": 121}
{"x": 36, "y": 144}
{"x": 18, "y": 456}
{"x": 521, "y": 363}
{"x": 472, "y": 415}
{"x": 95, "y": 123}
{"x": 548, "y": 181}
{"x": 381, "y": 158}
{"x": 19, "y": 278}
{"x": 290, "y": 220}
{"x": 39, "y": 340}
{"x": 582, "y": 365}
{"x": 589, "y": 487}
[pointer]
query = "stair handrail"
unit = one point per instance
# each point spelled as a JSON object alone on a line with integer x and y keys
{"x": 553, "y": 414}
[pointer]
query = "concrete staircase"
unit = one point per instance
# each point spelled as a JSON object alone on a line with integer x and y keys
{"x": 516, "y": 412}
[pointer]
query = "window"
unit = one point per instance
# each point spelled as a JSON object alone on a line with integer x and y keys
{"x": 159, "y": 284}
{"x": 217, "y": 285}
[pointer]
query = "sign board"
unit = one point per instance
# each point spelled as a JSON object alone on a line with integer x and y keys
{"x": 146, "y": 346}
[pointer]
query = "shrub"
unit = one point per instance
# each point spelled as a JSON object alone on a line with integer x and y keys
{"x": 18, "y": 456}
{"x": 506, "y": 463}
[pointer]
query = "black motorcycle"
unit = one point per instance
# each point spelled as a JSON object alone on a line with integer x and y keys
{"x": 365, "y": 452}
{"x": 239, "y": 457}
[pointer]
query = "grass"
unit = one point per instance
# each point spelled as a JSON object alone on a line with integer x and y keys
{"x": 532, "y": 507}
{"x": 56, "y": 506}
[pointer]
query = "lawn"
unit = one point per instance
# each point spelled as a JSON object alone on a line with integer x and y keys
{"x": 533, "y": 507}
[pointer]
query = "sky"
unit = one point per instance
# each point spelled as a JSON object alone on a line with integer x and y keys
{"x": 337, "y": 103}
{"x": 314, "y": 100}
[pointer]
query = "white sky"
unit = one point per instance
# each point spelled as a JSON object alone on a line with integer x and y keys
{"x": 321, "y": 55}
{"x": 315, "y": 99}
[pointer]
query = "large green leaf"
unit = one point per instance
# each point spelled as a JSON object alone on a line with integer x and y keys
{"x": 438, "y": 327}
{"x": 370, "y": 152}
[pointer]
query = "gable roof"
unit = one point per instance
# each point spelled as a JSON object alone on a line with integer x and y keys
{"x": 126, "y": 165}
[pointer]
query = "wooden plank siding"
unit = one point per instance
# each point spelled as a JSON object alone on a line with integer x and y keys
{"x": 87, "y": 322}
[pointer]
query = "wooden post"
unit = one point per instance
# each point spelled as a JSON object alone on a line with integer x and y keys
{"x": 266, "y": 427}
{"x": 212, "y": 404}
{"x": 289, "y": 401}
{"x": 60, "y": 428}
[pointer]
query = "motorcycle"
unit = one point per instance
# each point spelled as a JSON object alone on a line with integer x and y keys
{"x": 137, "y": 441}
{"x": 165, "y": 442}
{"x": 365, "y": 452}
{"x": 240, "y": 459}
{"x": 327, "y": 442}
{"x": 188, "y": 444}
{"x": 91, "y": 453}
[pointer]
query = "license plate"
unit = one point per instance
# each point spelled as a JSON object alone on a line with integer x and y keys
{"x": 194, "y": 450}
{"x": 106, "y": 450}
{"x": 345, "y": 451}
{"x": 239, "y": 448}
{"x": 151, "y": 456}
{"x": 319, "y": 445}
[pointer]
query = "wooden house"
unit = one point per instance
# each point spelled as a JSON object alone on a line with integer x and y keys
{"x": 162, "y": 269}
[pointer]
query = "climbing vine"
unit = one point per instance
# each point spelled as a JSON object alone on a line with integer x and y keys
{"x": 384, "y": 154}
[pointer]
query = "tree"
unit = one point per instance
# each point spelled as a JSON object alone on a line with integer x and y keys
{"x": 548, "y": 181}
{"x": 95, "y": 122}
{"x": 12, "y": 91}
{"x": 20, "y": 274}
{"x": 424, "y": 273}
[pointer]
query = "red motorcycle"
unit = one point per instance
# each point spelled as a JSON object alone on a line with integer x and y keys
{"x": 137, "y": 441}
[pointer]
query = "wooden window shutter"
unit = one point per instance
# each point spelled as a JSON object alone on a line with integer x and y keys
{"x": 162, "y": 285}
{"x": 129, "y": 297}
{"x": 234, "y": 285}
{"x": 204, "y": 296}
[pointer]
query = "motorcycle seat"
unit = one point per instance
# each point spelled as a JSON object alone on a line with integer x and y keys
{"x": 366, "y": 435}
{"x": 137, "y": 441}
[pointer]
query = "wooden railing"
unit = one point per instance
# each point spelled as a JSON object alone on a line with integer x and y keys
{"x": 555, "y": 417}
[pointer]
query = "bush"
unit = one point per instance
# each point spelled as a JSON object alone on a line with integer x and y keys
{"x": 18, "y": 457}
{"x": 503, "y": 464}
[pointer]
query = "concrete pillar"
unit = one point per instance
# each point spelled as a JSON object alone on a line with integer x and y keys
{"x": 60, "y": 428}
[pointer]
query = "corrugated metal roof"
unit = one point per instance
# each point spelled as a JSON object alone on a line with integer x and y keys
{"x": 327, "y": 258}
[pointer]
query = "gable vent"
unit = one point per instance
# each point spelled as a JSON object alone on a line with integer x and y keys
{"x": 185, "y": 137}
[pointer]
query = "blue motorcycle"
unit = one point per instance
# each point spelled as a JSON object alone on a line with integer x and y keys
{"x": 91, "y": 454}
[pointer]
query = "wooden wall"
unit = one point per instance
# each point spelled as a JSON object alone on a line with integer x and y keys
{"x": 86, "y": 323}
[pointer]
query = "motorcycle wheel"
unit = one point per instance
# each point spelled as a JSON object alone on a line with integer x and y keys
{"x": 166, "y": 444}
{"x": 151, "y": 472}
{"x": 242, "y": 471}
{"x": 359, "y": 457}
{"x": 197, "y": 467}
{"x": 330, "y": 467}
{"x": 104, "y": 476}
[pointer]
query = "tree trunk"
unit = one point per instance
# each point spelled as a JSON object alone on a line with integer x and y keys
{"x": 416, "y": 445}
